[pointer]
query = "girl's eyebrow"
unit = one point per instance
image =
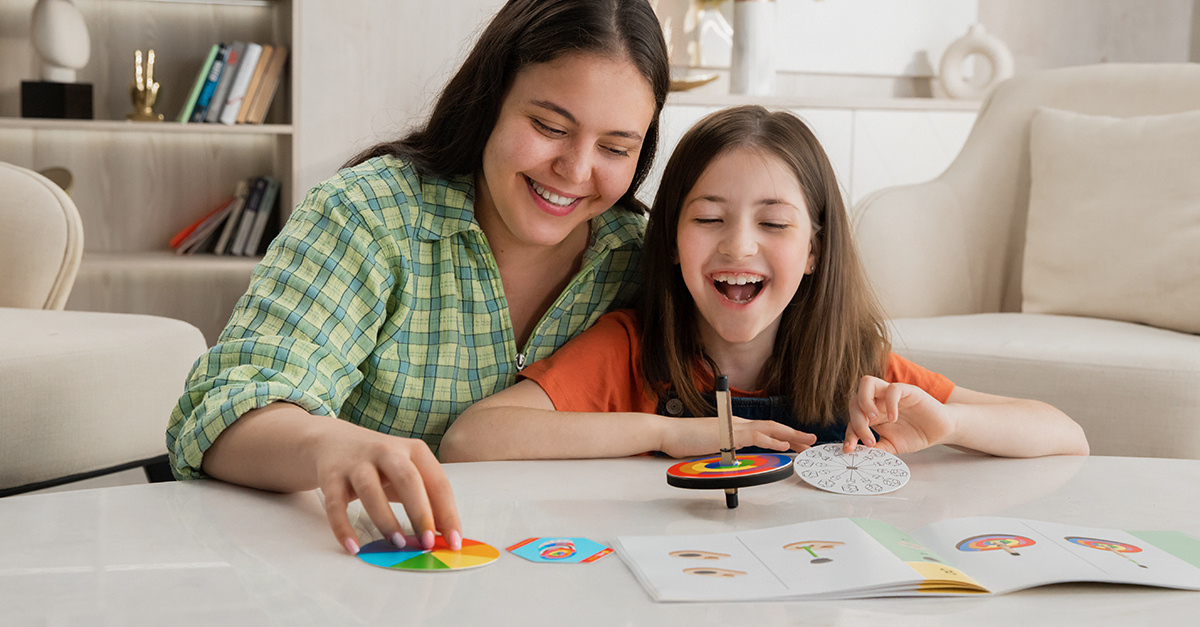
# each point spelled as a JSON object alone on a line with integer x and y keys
{"x": 550, "y": 106}
{"x": 765, "y": 202}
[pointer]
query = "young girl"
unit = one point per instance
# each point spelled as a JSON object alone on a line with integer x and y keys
{"x": 749, "y": 272}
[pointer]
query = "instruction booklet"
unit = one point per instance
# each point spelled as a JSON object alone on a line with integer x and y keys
{"x": 843, "y": 558}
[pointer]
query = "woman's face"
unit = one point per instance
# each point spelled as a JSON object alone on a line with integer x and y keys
{"x": 564, "y": 148}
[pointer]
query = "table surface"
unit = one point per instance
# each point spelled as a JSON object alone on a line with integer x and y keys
{"x": 205, "y": 553}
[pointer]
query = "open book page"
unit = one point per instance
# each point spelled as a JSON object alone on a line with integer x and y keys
{"x": 1006, "y": 554}
{"x": 835, "y": 558}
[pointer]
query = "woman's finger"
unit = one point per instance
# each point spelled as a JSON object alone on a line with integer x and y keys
{"x": 337, "y": 498}
{"x": 408, "y": 485}
{"x": 441, "y": 496}
{"x": 366, "y": 482}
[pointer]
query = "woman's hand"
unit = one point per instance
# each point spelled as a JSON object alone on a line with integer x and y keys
{"x": 690, "y": 437}
{"x": 379, "y": 469}
{"x": 906, "y": 417}
{"x": 283, "y": 448}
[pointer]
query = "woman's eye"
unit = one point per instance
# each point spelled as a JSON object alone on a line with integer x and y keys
{"x": 549, "y": 130}
{"x": 775, "y": 225}
{"x": 620, "y": 152}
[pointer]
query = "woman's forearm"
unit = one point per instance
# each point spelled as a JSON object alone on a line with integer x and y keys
{"x": 270, "y": 448}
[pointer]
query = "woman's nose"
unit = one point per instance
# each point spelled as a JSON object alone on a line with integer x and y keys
{"x": 574, "y": 163}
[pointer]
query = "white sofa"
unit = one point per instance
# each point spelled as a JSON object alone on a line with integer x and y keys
{"x": 81, "y": 393}
{"x": 948, "y": 259}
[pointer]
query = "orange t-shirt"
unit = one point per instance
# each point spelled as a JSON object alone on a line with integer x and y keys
{"x": 600, "y": 371}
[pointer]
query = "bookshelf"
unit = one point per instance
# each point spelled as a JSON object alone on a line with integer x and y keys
{"x": 138, "y": 183}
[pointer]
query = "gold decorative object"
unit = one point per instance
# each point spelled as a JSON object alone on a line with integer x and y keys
{"x": 691, "y": 81}
{"x": 143, "y": 90}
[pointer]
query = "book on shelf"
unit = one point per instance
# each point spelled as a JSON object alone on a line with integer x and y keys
{"x": 210, "y": 85}
{"x": 849, "y": 558}
{"x": 246, "y": 224}
{"x": 235, "y": 214}
{"x": 232, "y": 60}
{"x": 185, "y": 114}
{"x": 268, "y": 86}
{"x": 266, "y": 210}
{"x": 264, "y": 60}
{"x": 191, "y": 239}
{"x": 240, "y": 83}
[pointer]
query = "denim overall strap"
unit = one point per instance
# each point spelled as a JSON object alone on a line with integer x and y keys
{"x": 775, "y": 408}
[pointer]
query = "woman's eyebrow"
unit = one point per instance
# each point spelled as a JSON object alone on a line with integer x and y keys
{"x": 546, "y": 104}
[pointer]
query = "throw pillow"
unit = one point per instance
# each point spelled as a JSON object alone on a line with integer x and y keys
{"x": 1114, "y": 218}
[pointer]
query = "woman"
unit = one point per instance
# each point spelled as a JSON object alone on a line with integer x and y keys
{"x": 421, "y": 278}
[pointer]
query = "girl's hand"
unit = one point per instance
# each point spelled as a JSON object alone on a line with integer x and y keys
{"x": 690, "y": 437}
{"x": 378, "y": 469}
{"x": 906, "y": 417}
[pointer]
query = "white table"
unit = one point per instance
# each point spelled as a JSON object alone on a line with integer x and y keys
{"x": 205, "y": 553}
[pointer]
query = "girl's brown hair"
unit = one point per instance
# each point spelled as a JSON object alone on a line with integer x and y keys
{"x": 830, "y": 335}
{"x": 522, "y": 33}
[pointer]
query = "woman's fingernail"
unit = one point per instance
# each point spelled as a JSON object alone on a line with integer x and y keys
{"x": 427, "y": 540}
{"x": 455, "y": 541}
{"x": 398, "y": 540}
{"x": 351, "y": 546}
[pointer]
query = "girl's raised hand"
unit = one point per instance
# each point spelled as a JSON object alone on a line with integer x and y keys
{"x": 906, "y": 417}
{"x": 690, "y": 437}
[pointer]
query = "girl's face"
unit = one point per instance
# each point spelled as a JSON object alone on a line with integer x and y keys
{"x": 745, "y": 243}
{"x": 564, "y": 148}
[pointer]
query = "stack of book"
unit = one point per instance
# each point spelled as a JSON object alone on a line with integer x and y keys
{"x": 238, "y": 225}
{"x": 235, "y": 84}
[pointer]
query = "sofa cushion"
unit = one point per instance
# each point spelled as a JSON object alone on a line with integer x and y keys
{"x": 83, "y": 392}
{"x": 1114, "y": 218}
{"x": 1134, "y": 389}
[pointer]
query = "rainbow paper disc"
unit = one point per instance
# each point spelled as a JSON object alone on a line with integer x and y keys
{"x": 384, "y": 554}
{"x": 707, "y": 473}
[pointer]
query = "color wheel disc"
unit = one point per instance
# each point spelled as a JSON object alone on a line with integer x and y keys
{"x": 384, "y": 554}
{"x": 707, "y": 473}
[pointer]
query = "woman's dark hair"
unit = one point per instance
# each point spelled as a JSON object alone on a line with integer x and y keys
{"x": 832, "y": 332}
{"x": 522, "y": 33}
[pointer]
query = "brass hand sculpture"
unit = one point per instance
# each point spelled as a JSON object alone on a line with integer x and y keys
{"x": 143, "y": 90}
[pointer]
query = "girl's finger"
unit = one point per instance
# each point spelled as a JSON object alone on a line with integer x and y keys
{"x": 894, "y": 394}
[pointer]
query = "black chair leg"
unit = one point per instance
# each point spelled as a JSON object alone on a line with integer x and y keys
{"x": 158, "y": 471}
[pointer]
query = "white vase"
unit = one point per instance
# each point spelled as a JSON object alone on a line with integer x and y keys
{"x": 993, "y": 52}
{"x": 60, "y": 37}
{"x": 710, "y": 41}
{"x": 753, "y": 65}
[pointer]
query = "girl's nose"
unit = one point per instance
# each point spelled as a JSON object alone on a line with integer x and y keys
{"x": 574, "y": 163}
{"x": 738, "y": 242}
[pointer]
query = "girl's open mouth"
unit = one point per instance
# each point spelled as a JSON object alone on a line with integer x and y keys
{"x": 739, "y": 287}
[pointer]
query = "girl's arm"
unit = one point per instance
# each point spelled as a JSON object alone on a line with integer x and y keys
{"x": 520, "y": 422}
{"x": 908, "y": 419}
{"x": 283, "y": 448}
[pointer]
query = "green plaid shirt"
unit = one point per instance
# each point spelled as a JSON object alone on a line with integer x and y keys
{"x": 380, "y": 302}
